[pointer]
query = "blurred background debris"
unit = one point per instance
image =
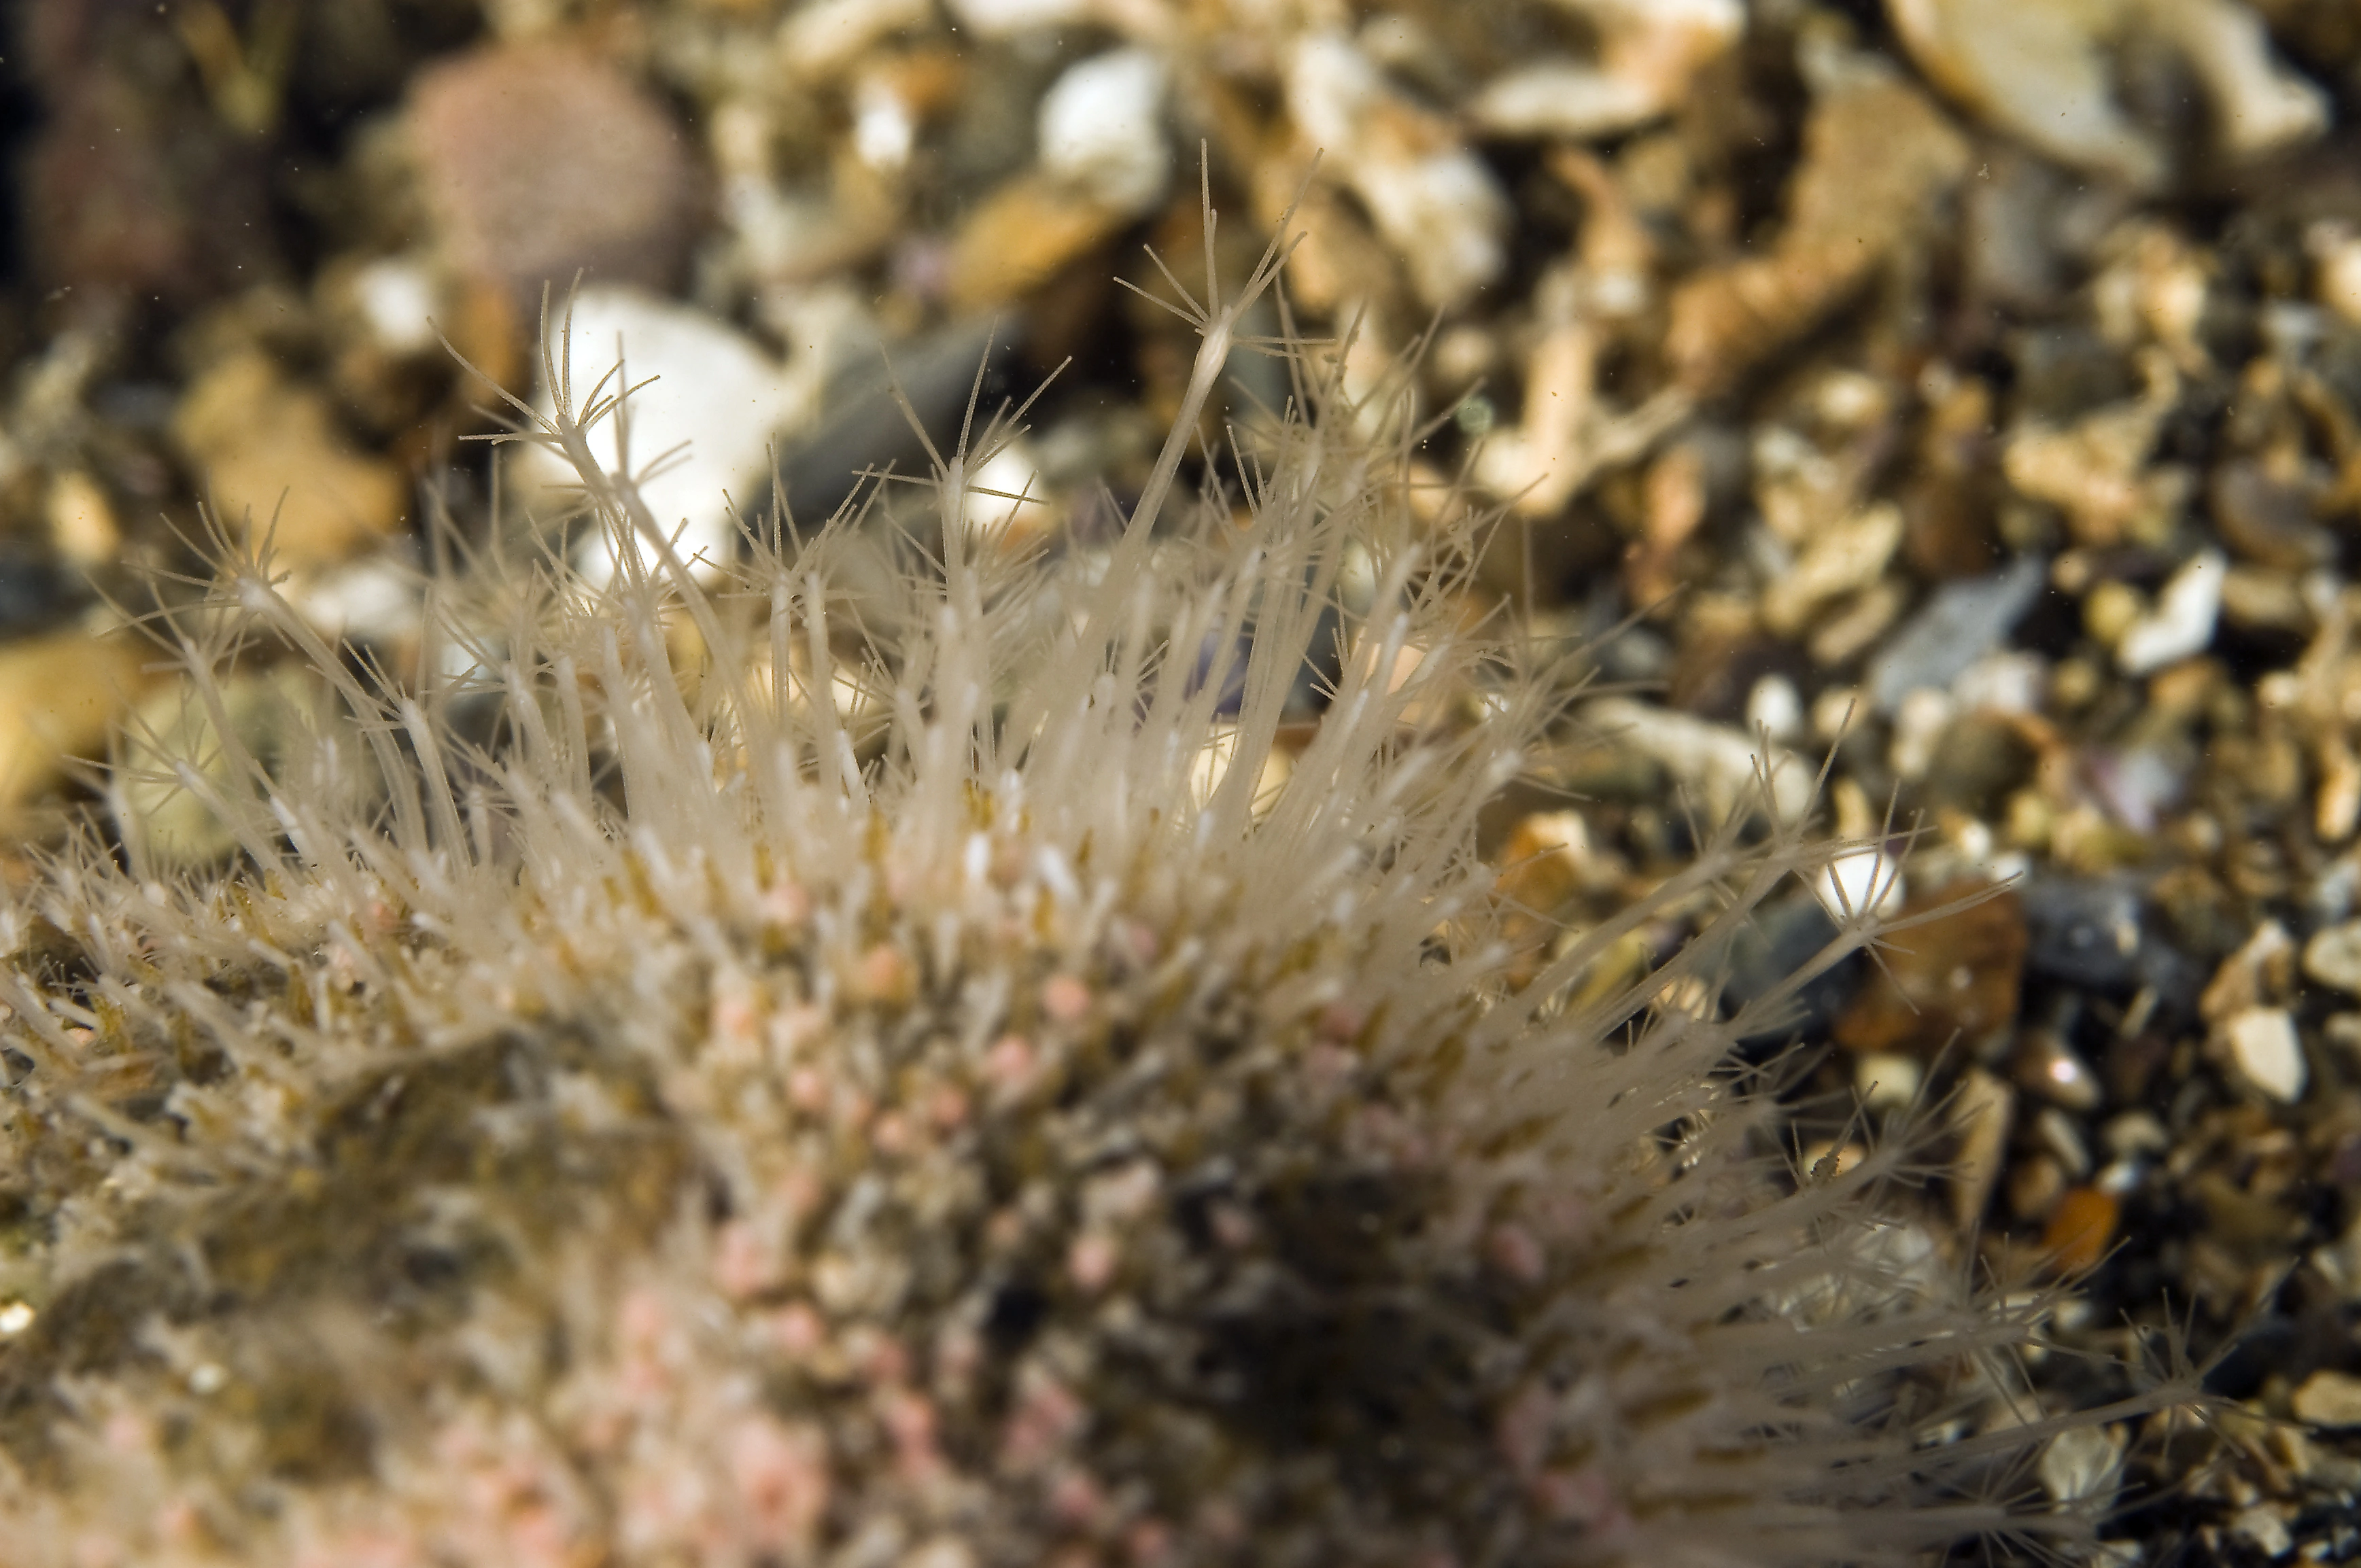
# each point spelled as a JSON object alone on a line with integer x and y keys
{"x": 1967, "y": 392}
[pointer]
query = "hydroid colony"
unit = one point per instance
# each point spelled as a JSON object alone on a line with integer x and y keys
{"x": 622, "y": 1111}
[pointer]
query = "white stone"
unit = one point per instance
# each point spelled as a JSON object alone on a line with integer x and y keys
{"x": 1562, "y": 98}
{"x": 1775, "y": 709}
{"x": 1649, "y": 51}
{"x": 883, "y": 130}
{"x": 376, "y": 598}
{"x": 2263, "y": 1043}
{"x": 2182, "y": 621}
{"x": 1866, "y": 880}
{"x": 2332, "y": 957}
{"x": 397, "y": 300}
{"x": 2080, "y": 1465}
{"x": 998, "y": 18}
{"x": 1102, "y": 130}
{"x": 988, "y": 510}
{"x": 2041, "y": 69}
{"x": 1887, "y": 1080}
{"x": 716, "y": 404}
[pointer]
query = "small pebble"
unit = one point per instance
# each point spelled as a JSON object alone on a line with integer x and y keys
{"x": 2262, "y": 1528}
{"x": 2182, "y": 621}
{"x": 2034, "y": 1185}
{"x": 2081, "y": 1226}
{"x": 1844, "y": 558}
{"x": 1958, "y": 973}
{"x": 58, "y": 694}
{"x": 1919, "y": 725}
{"x": 2332, "y": 957}
{"x": 1102, "y": 130}
{"x": 999, "y": 19}
{"x": 2040, "y": 70}
{"x": 717, "y": 397}
{"x": 82, "y": 520}
{"x": 2078, "y": 1466}
{"x": 539, "y": 162}
{"x": 2264, "y": 1046}
{"x": 274, "y": 458}
{"x": 2061, "y": 1134}
{"x": 1433, "y": 197}
{"x": 2329, "y": 1399}
{"x": 2006, "y": 680}
{"x": 1983, "y": 1111}
{"x": 2055, "y": 1070}
{"x": 1866, "y": 881}
{"x": 1774, "y": 708}
{"x": 1648, "y": 56}
{"x": 2135, "y": 1132}
{"x": 2266, "y": 520}
{"x": 397, "y": 304}
{"x": 1887, "y": 1079}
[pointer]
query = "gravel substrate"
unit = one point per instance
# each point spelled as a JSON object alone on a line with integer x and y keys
{"x": 1966, "y": 393}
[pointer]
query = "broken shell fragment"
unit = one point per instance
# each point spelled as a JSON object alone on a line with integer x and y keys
{"x": 1431, "y": 197}
{"x": 2040, "y": 70}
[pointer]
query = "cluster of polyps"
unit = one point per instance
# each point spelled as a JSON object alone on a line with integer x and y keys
{"x": 688, "y": 1127}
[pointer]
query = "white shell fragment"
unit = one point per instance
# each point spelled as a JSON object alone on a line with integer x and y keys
{"x": 2260, "y": 106}
{"x": 1776, "y": 708}
{"x": 1430, "y": 197}
{"x": 397, "y": 300}
{"x": 2182, "y": 621}
{"x": 2082, "y": 1464}
{"x": 883, "y": 130}
{"x": 990, "y": 510}
{"x": 2040, "y": 70}
{"x": 1102, "y": 130}
{"x": 2332, "y": 957}
{"x": 1718, "y": 760}
{"x": 1563, "y": 98}
{"x": 2263, "y": 1046}
{"x": 376, "y": 598}
{"x": 999, "y": 19}
{"x": 714, "y": 404}
{"x": 1649, "y": 50}
{"x": 1867, "y": 880}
